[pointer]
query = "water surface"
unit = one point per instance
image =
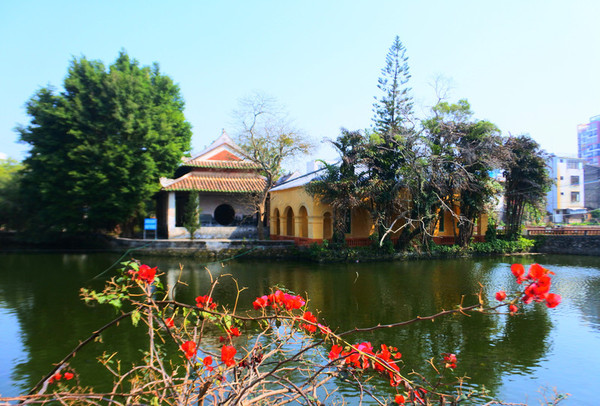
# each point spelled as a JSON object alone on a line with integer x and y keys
{"x": 515, "y": 358}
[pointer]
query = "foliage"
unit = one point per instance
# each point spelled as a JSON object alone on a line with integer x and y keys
{"x": 10, "y": 174}
{"x": 278, "y": 353}
{"x": 463, "y": 151}
{"x": 341, "y": 186}
{"x": 269, "y": 139}
{"x": 191, "y": 221}
{"x": 99, "y": 147}
{"x": 527, "y": 180}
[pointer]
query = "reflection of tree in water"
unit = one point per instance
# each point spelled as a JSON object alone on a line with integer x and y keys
{"x": 43, "y": 291}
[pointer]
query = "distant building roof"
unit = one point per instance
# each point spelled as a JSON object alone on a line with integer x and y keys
{"x": 209, "y": 182}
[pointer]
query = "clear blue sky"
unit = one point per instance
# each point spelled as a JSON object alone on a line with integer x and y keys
{"x": 530, "y": 66}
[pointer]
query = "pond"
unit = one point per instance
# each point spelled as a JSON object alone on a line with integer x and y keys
{"x": 517, "y": 359}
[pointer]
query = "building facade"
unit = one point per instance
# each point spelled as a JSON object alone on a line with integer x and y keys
{"x": 591, "y": 176}
{"x": 225, "y": 182}
{"x": 588, "y": 141}
{"x": 296, "y": 215}
{"x": 565, "y": 203}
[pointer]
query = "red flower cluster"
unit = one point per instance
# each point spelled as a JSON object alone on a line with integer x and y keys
{"x": 189, "y": 348}
{"x": 279, "y": 300}
{"x": 169, "y": 322}
{"x": 205, "y": 302}
{"x": 144, "y": 273}
{"x": 227, "y": 354}
{"x": 57, "y": 377}
{"x": 450, "y": 360}
{"x": 362, "y": 356}
{"x": 539, "y": 288}
{"x": 308, "y": 316}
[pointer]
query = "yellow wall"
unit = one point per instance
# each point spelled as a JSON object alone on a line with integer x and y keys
{"x": 301, "y": 215}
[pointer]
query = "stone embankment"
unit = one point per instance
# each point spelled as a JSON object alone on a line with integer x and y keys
{"x": 211, "y": 249}
{"x": 567, "y": 244}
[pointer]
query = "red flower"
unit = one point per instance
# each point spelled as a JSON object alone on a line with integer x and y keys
{"x": 227, "y": 353}
{"x": 169, "y": 322}
{"x": 513, "y": 309}
{"x": 260, "y": 302}
{"x": 518, "y": 270}
{"x": 399, "y": 399}
{"x": 308, "y": 316}
{"x": 189, "y": 348}
{"x": 205, "y": 302}
{"x": 55, "y": 377}
{"x": 207, "y": 361}
{"x": 500, "y": 295}
{"x": 553, "y": 300}
{"x": 146, "y": 274}
{"x": 68, "y": 376}
{"x": 536, "y": 271}
{"x": 335, "y": 351}
{"x": 450, "y": 360}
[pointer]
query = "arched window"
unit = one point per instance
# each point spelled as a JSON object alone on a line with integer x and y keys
{"x": 224, "y": 214}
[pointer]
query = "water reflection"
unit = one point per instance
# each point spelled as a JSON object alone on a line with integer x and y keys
{"x": 511, "y": 356}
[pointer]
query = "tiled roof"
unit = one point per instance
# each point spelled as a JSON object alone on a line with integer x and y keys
{"x": 221, "y": 164}
{"x": 206, "y": 182}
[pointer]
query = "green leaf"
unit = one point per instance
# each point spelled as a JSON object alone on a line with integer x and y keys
{"x": 135, "y": 317}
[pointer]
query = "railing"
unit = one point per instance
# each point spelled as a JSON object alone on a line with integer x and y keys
{"x": 564, "y": 231}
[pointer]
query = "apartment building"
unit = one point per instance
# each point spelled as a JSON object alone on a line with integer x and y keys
{"x": 565, "y": 201}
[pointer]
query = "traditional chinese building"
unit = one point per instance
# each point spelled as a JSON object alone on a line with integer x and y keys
{"x": 225, "y": 182}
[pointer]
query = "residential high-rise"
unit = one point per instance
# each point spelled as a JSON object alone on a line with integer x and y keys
{"x": 588, "y": 141}
{"x": 565, "y": 201}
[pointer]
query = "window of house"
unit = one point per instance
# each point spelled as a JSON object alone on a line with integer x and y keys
{"x": 562, "y": 178}
{"x": 574, "y": 197}
{"x": 441, "y": 220}
{"x": 348, "y": 229}
{"x": 574, "y": 180}
{"x": 181, "y": 200}
{"x": 572, "y": 164}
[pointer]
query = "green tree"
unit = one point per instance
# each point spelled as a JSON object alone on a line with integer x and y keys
{"x": 99, "y": 147}
{"x": 527, "y": 180}
{"x": 191, "y": 221}
{"x": 10, "y": 174}
{"x": 463, "y": 151}
{"x": 391, "y": 149}
{"x": 341, "y": 186}
{"x": 269, "y": 139}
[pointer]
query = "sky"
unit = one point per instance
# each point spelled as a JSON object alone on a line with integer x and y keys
{"x": 529, "y": 66}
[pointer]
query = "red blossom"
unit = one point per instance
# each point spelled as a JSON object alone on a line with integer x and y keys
{"x": 399, "y": 399}
{"x": 450, "y": 360}
{"x": 308, "y": 316}
{"x": 518, "y": 270}
{"x": 335, "y": 352}
{"x": 207, "y": 361}
{"x": 227, "y": 353}
{"x": 146, "y": 274}
{"x": 260, "y": 302}
{"x": 553, "y": 300}
{"x": 513, "y": 309}
{"x": 169, "y": 322}
{"x": 205, "y": 302}
{"x": 500, "y": 295}
{"x": 536, "y": 271}
{"x": 189, "y": 348}
{"x": 68, "y": 376}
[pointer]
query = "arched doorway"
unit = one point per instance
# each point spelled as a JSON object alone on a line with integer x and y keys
{"x": 327, "y": 226}
{"x": 303, "y": 214}
{"x": 277, "y": 222}
{"x": 224, "y": 214}
{"x": 289, "y": 222}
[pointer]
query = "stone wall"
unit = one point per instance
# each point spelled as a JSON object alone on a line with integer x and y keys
{"x": 568, "y": 244}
